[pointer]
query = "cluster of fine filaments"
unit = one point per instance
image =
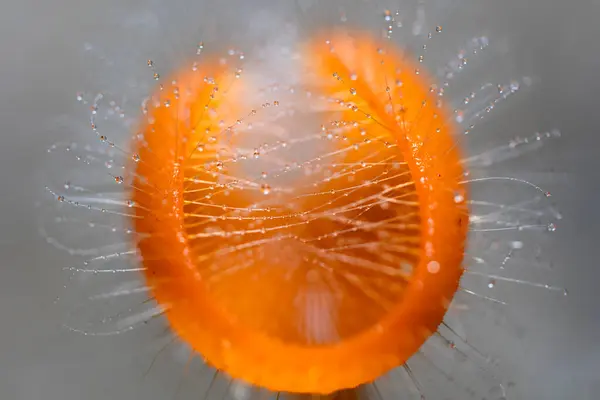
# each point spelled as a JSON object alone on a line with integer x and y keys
{"x": 266, "y": 186}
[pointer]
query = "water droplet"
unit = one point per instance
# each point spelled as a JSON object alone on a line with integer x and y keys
{"x": 265, "y": 189}
{"x": 200, "y": 147}
{"x": 438, "y": 28}
{"x": 199, "y": 48}
{"x": 135, "y": 157}
{"x": 119, "y": 179}
{"x": 517, "y": 245}
{"x": 150, "y": 63}
{"x": 156, "y": 76}
{"x": 433, "y": 267}
{"x": 353, "y": 91}
{"x": 491, "y": 283}
{"x": 551, "y": 227}
{"x": 61, "y": 198}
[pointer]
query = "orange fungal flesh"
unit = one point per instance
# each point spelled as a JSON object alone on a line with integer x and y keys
{"x": 310, "y": 263}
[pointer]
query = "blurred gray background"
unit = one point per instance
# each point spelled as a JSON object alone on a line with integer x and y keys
{"x": 42, "y": 68}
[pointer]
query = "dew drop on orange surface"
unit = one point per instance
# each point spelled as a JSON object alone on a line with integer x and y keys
{"x": 307, "y": 245}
